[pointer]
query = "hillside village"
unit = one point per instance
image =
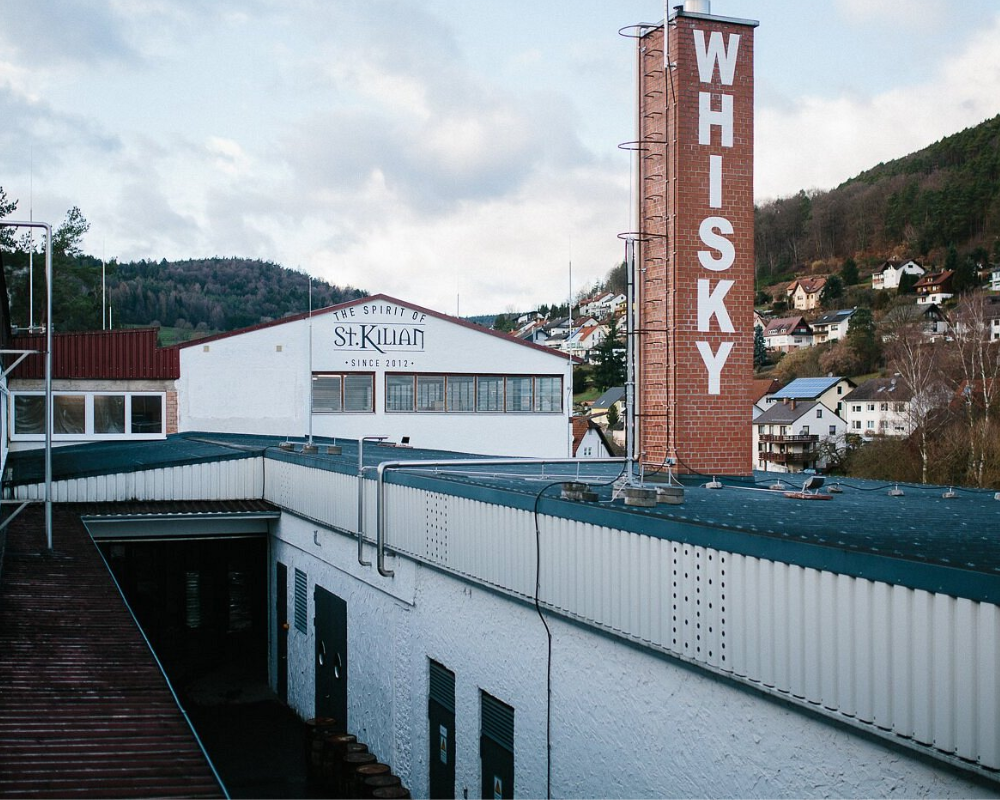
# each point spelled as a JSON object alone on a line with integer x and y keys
{"x": 911, "y": 354}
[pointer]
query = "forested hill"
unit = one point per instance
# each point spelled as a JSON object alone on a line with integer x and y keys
{"x": 219, "y": 293}
{"x": 197, "y": 295}
{"x": 946, "y": 195}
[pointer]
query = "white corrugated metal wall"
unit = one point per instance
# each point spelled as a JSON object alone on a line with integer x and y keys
{"x": 235, "y": 479}
{"x": 902, "y": 662}
{"x": 899, "y": 661}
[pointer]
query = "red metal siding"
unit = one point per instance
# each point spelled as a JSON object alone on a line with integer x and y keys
{"x": 84, "y": 708}
{"x": 120, "y": 355}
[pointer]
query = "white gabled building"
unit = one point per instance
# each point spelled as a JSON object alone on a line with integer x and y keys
{"x": 887, "y": 277}
{"x": 879, "y": 407}
{"x": 789, "y": 436}
{"x": 832, "y": 327}
{"x": 829, "y": 391}
{"x": 380, "y": 366}
{"x": 787, "y": 333}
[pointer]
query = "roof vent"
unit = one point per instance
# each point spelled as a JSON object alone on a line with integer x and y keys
{"x": 698, "y": 6}
{"x": 895, "y": 491}
{"x": 951, "y": 494}
{"x": 713, "y": 484}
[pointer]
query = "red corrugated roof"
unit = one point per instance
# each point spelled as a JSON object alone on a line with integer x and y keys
{"x": 84, "y": 709}
{"x": 119, "y": 355}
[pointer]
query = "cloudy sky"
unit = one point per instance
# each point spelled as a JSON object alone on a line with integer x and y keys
{"x": 454, "y": 153}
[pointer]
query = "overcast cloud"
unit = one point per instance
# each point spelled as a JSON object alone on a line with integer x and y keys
{"x": 441, "y": 151}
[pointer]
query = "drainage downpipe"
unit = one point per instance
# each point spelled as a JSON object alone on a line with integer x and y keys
{"x": 385, "y": 466}
{"x": 361, "y": 496}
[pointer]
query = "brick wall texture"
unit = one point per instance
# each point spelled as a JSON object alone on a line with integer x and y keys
{"x": 681, "y": 415}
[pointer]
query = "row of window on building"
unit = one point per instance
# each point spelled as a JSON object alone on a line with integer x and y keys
{"x": 90, "y": 414}
{"x": 457, "y": 394}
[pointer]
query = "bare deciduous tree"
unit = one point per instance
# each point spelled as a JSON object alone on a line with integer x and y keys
{"x": 978, "y": 370}
{"x": 918, "y": 363}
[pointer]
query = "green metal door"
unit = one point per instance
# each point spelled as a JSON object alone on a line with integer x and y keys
{"x": 441, "y": 718}
{"x": 331, "y": 656}
{"x": 496, "y": 748}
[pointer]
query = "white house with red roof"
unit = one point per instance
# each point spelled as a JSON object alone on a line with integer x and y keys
{"x": 787, "y": 333}
{"x": 380, "y": 367}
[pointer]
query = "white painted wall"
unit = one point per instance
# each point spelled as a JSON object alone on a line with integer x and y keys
{"x": 626, "y": 722}
{"x": 259, "y": 382}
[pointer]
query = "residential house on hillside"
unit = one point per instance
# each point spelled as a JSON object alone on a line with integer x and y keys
{"x": 829, "y": 391}
{"x": 930, "y": 318}
{"x": 888, "y": 275}
{"x": 560, "y": 326}
{"x": 615, "y": 396}
{"x": 603, "y": 305}
{"x": 786, "y": 334}
{"x": 992, "y": 311}
{"x": 804, "y": 293}
{"x": 879, "y": 407}
{"x": 995, "y": 278}
{"x": 934, "y": 287}
{"x": 833, "y": 326}
{"x": 584, "y": 340}
{"x": 534, "y": 332}
{"x": 761, "y": 388}
{"x": 788, "y": 436}
{"x": 589, "y": 441}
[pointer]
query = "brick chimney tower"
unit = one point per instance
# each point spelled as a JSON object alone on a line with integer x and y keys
{"x": 695, "y": 278}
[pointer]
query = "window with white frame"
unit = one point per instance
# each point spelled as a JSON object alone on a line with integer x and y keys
{"x": 89, "y": 415}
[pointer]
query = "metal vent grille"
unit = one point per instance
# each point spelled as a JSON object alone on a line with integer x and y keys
{"x": 498, "y": 722}
{"x": 436, "y": 526}
{"x": 442, "y": 686}
{"x": 698, "y": 603}
{"x": 301, "y": 601}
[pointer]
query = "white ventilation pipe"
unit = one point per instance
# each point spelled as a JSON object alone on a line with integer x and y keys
{"x": 698, "y": 6}
{"x": 385, "y": 466}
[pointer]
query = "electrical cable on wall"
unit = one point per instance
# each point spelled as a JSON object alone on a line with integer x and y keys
{"x": 548, "y": 631}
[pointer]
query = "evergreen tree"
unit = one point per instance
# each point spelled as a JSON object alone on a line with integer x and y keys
{"x": 609, "y": 360}
{"x": 849, "y": 272}
{"x": 833, "y": 290}
{"x": 863, "y": 339}
{"x": 7, "y": 234}
{"x": 907, "y": 281}
{"x": 759, "y": 347}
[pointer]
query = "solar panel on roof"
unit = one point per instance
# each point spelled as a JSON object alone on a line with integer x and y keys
{"x": 806, "y": 387}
